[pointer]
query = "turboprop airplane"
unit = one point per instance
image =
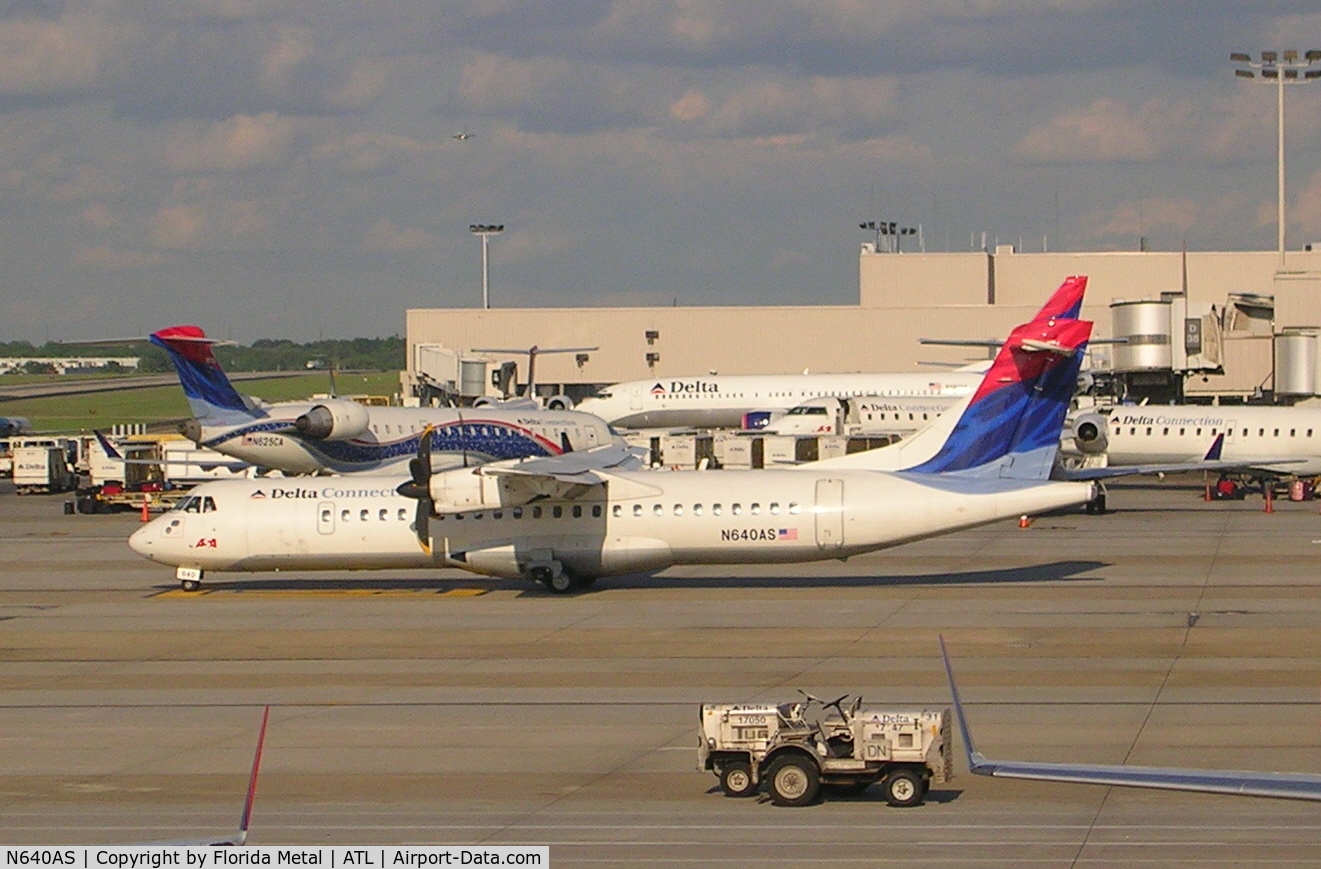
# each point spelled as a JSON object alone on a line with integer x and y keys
{"x": 565, "y": 522}
{"x": 1269, "y": 439}
{"x": 339, "y": 435}
{"x": 1290, "y": 786}
{"x": 740, "y": 401}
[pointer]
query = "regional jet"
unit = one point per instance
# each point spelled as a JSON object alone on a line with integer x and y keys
{"x": 1291, "y": 786}
{"x": 747, "y": 401}
{"x": 564, "y": 522}
{"x": 342, "y": 436}
{"x": 1271, "y": 439}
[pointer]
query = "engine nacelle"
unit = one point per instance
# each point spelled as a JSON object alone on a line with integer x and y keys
{"x": 559, "y": 402}
{"x": 461, "y": 490}
{"x": 1090, "y": 433}
{"x": 336, "y": 420}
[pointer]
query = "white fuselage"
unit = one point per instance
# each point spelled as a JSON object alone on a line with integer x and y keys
{"x": 649, "y": 520}
{"x": 1255, "y": 434}
{"x": 390, "y": 438}
{"x": 721, "y": 401}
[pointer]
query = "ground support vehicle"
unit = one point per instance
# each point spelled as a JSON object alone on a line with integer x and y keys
{"x": 112, "y": 497}
{"x": 841, "y": 750}
{"x": 42, "y": 469}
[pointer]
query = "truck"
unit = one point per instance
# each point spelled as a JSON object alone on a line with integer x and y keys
{"x": 42, "y": 469}
{"x": 841, "y": 750}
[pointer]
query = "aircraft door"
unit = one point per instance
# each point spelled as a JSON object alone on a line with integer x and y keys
{"x": 635, "y": 398}
{"x": 325, "y": 517}
{"x": 829, "y": 514}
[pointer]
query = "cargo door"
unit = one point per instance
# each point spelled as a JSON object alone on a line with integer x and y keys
{"x": 325, "y": 517}
{"x": 829, "y": 514}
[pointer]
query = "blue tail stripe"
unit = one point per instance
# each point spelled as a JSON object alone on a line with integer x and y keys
{"x": 205, "y": 386}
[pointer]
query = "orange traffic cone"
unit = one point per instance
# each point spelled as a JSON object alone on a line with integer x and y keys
{"x": 1270, "y": 498}
{"x": 1023, "y": 521}
{"x": 1207, "y": 496}
{"x": 146, "y": 514}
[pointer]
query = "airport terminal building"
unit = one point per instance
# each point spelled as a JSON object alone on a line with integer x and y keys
{"x": 1224, "y": 323}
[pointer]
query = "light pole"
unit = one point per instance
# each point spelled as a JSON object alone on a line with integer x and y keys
{"x": 891, "y": 230}
{"x": 486, "y": 230}
{"x": 1279, "y": 68}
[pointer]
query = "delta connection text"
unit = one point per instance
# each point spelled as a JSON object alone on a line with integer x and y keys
{"x": 325, "y": 857}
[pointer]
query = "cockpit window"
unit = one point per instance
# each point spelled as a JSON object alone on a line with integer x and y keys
{"x": 807, "y": 411}
{"x": 208, "y": 504}
{"x": 191, "y": 504}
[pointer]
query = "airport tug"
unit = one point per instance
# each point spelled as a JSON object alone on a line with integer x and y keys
{"x": 840, "y": 750}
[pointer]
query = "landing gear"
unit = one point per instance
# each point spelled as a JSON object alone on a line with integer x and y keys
{"x": 556, "y": 579}
{"x": 190, "y": 578}
{"x": 1096, "y": 505}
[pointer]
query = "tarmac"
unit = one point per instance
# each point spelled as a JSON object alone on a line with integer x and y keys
{"x": 446, "y": 709}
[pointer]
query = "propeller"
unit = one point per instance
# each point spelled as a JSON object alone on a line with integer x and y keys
{"x": 419, "y": 488}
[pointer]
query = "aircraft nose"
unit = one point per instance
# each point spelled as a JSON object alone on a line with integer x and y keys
{"x": 140, "y": 541}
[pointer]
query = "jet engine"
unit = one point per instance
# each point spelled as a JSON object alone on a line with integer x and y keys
{"x": 335, "y": 420}
{"x": 559, "y": 402}
{"x": 1089, "y": 433}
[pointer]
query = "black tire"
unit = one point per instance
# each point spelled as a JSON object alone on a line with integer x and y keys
{"x": 793, "y": 780}
{"x": 560, "y": 583}
{"x": 736, "y": 779}
{"x": 190, "y": 584}
{"x": 904, "y": 788}
{"x": 851, "y": 789}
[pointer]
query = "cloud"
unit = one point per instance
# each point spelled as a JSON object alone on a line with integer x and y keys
{"x": 1130, "y": 220}
{"x": 108, "y": 259}
{"x": 239, "y": 143}
{"x": 77, "y": 52}
{"x": 1107, "y": 130}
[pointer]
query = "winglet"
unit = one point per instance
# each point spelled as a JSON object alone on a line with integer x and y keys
{"x": 1217, "y": 447}
{"x": 977, "y": 763}
{"x": 252, "y": 780}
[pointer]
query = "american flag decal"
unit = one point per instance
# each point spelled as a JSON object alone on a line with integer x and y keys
{"x": 787, "y": 534}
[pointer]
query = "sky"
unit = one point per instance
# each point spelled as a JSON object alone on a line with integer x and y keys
{"x": 288, "y": 168}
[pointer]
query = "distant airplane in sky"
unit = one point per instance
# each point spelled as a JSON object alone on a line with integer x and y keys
{"x": 463, "y": 136}
{"x": 565, "y": 522}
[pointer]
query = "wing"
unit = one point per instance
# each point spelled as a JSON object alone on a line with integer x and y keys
{"x": 581, "y": 468}
{"x": 1292, "y": 786}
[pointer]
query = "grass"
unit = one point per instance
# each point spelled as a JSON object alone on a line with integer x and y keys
{"x": 153, "y": 405}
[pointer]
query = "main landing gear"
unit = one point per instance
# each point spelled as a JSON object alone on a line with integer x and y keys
{"x": 557, "y": 580}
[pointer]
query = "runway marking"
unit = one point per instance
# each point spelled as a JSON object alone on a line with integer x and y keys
{"x": 321, "y": 592}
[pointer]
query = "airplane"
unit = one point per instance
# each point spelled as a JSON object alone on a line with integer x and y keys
{"x": 342, "y": 436}
{"x": 14, "y": 425}
{"x": 727, "y": 401}
{"x": 529, "y": 398}
{"x": 1268, "y": 439}
{"x": 1290, "y": 786}
{"x": 463, "y": 136}
{"x": 564, "y": 522}
{"x": 863, "y": 415}
{"x": 241, "y": 835}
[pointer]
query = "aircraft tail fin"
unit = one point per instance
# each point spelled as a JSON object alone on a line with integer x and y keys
{"x": 1217, "y": 449}
{"x": 1009, "y": 427}
{"x": 1066, "y": 302}
{"x": 205, "y": 385}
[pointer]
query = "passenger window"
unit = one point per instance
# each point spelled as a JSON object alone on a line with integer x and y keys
{"x": 536, "y": 512}
{"x": 617, "y": 511}
{"x": 658, "y": 510}
{"x": 458, "y": 517}
{"x": 344, "y": 515}
{"x": 736, "y": 509}
{"x": 403, "y": 514}
{"x": 754, "y": 509}
{"x": 775, "y": 509}
{"x": 596, "y": 511}
{"x": 384, "y": 514}
{"x": 557, "y": 511}
{"x": 793, "y": 507}
{"x": 517, "y": 512}
{"x": 678, "y": 509}
{"x": 637, "y": 509}
{"x": 715, "y": 509}
{"x": 1277, "y": 433}
{"x": 325, "y": 515}
{"x": 1291, "y": 432}
{"x": 362, "y": 515}
{"x": 498, "y": 514}
{"x": 577, "y": 511}
{"x": 697, "y": 509}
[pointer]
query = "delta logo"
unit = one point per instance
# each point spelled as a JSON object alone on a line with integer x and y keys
{"x": 277, "y": 494}
{"x": 686, "y": 387}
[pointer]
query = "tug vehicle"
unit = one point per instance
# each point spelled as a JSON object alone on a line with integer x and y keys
{"x": 840, "y": 750}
